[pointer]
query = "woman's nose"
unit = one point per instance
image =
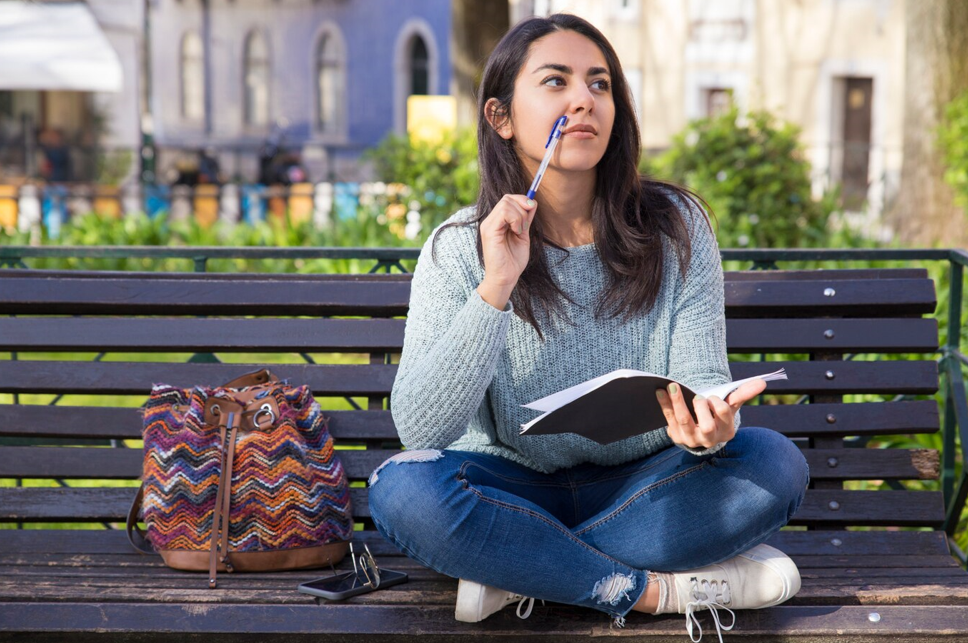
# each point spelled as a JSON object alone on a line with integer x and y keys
{"x": 581, "y": 99}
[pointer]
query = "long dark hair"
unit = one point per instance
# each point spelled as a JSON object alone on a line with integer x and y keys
{"x": 630, "y": 213}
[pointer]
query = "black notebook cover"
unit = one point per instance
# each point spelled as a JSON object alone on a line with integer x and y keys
{"x": 619, "y": 409}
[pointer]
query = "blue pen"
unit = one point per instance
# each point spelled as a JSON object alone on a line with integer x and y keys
{"x": 550, "y": 146}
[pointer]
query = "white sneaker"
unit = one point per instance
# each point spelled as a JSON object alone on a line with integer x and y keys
{"x": 475, "y": 601}
{"x": 760, "y": 577}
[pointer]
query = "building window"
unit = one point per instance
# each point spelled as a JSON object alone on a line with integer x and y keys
{"x": 718, "y": 101}
{"x": 256, "y": 77}
{"x": 192, "y": 77}
{"x": 330, "y": 83}
{"x": 851, "y": 150}
{"x": 419, "y": 67}
{"x": 415, "y": 61}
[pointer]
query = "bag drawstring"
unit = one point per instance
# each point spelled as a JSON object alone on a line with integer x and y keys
{"x": 223, "y": 499}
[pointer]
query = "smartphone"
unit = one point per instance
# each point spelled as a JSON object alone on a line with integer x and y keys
{"x": 348, "y": 584}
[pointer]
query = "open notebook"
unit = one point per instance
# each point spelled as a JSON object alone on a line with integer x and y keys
{"x": 617, "y": 405}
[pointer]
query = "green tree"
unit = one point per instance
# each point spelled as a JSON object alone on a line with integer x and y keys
{"x": 752, "y": 173}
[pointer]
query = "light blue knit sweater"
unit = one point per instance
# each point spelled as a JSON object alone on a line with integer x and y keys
{"x": 466, "y": 367}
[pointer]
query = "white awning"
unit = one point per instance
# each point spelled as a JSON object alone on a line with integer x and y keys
{"x": 55, "y": 46}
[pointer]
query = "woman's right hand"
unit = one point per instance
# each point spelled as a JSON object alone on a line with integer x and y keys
{"x": 506, "y": 240}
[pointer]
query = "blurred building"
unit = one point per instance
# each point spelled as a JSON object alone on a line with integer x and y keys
{"x": 835, "y": 68}
{"x": 233, "y": 86}
{"x": 317, "y": 81}
{"x": 242, "y": 89}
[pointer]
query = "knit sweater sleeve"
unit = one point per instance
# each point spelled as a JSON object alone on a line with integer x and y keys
{"x": 697, "y": 354}
{"x": 452, "y": 343}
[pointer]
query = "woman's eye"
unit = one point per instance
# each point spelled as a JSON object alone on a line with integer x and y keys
{"x": 557, "y": 81}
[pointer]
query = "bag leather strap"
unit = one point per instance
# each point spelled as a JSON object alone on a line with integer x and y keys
{"x": 137, "y": 537}
{"x": 223, "y": 499}
{"x": 262, "y": 376}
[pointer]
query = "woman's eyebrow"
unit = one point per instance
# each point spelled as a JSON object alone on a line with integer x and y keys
{"x": 565, "y": 69}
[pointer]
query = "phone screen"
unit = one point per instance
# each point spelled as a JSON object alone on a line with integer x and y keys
{"x": 349, "y": 584}
{"x": 337, "y": 584}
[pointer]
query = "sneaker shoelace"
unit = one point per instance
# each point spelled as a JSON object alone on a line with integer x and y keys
{"x": 523, "y": 600}
{"x": 712, "y": 596}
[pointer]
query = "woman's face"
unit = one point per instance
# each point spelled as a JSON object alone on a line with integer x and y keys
{"x": 565, "y": 73}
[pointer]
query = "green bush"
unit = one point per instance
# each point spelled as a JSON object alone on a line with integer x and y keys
{"x": 953, "y": 142}
{"x": 442, "y": 176}
{"x": 753, "y": 174}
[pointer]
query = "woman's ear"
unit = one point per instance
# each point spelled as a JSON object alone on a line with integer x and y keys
{"x": 498, "y": 118}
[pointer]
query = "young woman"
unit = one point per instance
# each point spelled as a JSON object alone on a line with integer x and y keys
{"x": 516, "y": 299}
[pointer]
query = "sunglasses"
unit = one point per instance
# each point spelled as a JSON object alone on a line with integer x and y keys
{"x": 368, "y": 567}
{"x": 365, "y": 577}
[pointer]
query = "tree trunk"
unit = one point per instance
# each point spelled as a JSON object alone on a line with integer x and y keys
{"x": 936, "y": 70}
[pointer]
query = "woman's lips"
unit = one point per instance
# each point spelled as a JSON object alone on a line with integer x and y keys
{"x": 579, "y": 134}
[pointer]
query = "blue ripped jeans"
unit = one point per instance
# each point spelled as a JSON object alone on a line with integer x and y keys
{"x": 587, "y": 535}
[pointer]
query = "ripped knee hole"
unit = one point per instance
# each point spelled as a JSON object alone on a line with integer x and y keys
{"x": 417, "y": 455}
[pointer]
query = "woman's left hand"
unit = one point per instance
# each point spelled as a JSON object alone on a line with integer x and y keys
{"x": 715, "y": 416}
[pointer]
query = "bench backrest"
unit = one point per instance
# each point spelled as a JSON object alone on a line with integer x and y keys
{"x": 107, "y": 336}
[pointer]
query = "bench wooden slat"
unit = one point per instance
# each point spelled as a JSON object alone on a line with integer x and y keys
{"x": 834, "y": 335}
{"x": 439, "y": 590}
{"x": 222, "y": 622}
{"x": 873, "y": 464}
{"x": 826, "y": 298}
{"x": 27, "y": 334}
{"x": 54, "y": 573}
{"x": 792, "y": 542}
{"x": 136, "y": 378}
{"x": 822, "y": 274}
{"x": 120, "y": 463}
{"x": 793, "y": 420}
{"x": 866, "y": 418}
{"x": 875, "y": 508}
{"x": 745, "y": 297}
{"x": 44, "y": 421}
{"x": 176, "y": 296}
{"x": 151, "y": 570}
{"x": 10, "y": 274}
{"x": 157, "y": 335}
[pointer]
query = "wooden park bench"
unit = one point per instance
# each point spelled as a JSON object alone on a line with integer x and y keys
{"x": 80, "y": 584}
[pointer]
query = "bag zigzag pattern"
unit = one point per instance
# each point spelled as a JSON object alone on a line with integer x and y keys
{"x": 287, "y": 490}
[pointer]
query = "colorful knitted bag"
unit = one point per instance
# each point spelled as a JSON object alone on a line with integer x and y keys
{"x": 241, "y": 477}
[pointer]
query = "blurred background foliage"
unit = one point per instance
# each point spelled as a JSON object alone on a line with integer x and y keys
{"x": 752, "y": 172}
{"x": 953, "y": 142}
{"x": 442, "y": 176}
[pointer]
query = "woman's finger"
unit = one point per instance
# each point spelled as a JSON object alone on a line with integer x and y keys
{"x": 513, "y": 214}
{"x": 746, "y": 392}
{"x": 707, "y": 423}
{"x": 722, "y": 410}
{"x": 670, "y": 414}
{"x": 683, "y": 416}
